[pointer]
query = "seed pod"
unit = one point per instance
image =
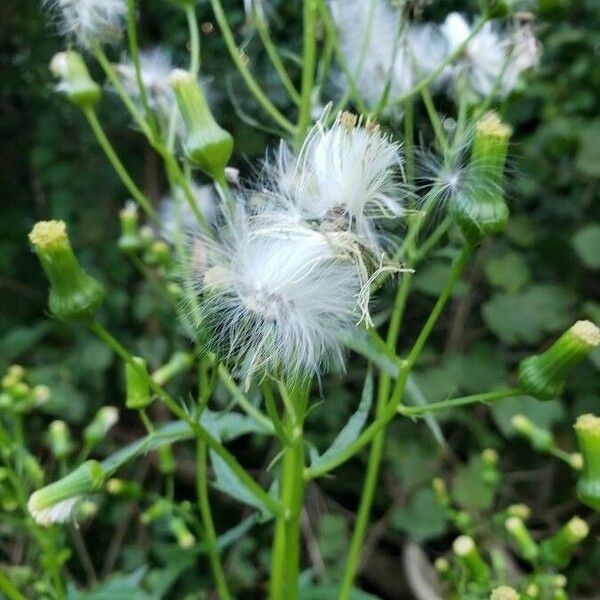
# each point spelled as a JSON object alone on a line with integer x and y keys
{"x": 543, "y": 375}
{"x": 587, "y": 429}
{"x": 558, "y": 549}
{"x": 73, "y": 293}
{"x": 76, "y": 83}
{"x": 207, "y": 145}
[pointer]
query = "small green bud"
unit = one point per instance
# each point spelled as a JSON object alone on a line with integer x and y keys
{"x": 73, "y": 293}
{"x": 441, "y": 491}
{"x": 158, "y": 510}
{"x": 97, "y": 429}
{"x": 504, "y": 592}
{"x": 120, "y": 487}
{"x": 179, "y": 362}
{"x": 481, "y": 210}
{"x": 540, "y": 439}
{"x": 441, "y": 565}
{"x": 59, "y": 439}
{"x": 519, "y": 510}
{"x": 532, "y": 591}
{"x": 158, "y": 254}
{"x": 558, "y": 549}
{"x": 41, "y": 394}
{"x": 543, "y": 375}
{"x": 76, "y": 83}
{"x": 518, "y": 530}
{"x": 130, "y": 239}
{"x": 464, "y": 547}
{"x": 136, "y": 381}
{"x": 86, "y": 510}
{"x": 55, "y": 502}
{"x": 34, "y": 470}
{"x": 206, "y": 144}
{"x": 587, "y": 429}
{"x": 182, "y": 534}
{"x": 166, "y": 460}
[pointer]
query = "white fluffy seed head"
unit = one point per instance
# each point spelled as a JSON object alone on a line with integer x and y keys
{"x": 90, "y": 22}
{"x": 272, "y": 300}
{"x": 48, "y": 515}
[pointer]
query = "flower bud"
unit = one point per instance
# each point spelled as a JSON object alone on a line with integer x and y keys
{"x": 73, "y": 293}
{"x": 527, "y": 547}
{"x": 587, "y": 429}
{"x": 120, "y": 487}
{"x": 179, "y": 362}
{"x": 543, "y": 375}
{"x": 158, "y": 254}
{"x": 55, "y": 502}
{"x": 480, "y": 210}
{"x": 158, "y": 510}
{"x": 558, "y": 549}
{"x": 33, "y": 469}
{"x": 130, "y": 239}
{"x": 59, "y": 439}
{"x": 504, "y": 592}
{"x": 464, "y": 547}
{"x": 136, "y": 382}
{"x": 76, "y": 83}
{"x": 105, "y": 418}
{"x": 540, "y": 439}
{"x": 182, "y": 534}
{"x": 206, "y": 144}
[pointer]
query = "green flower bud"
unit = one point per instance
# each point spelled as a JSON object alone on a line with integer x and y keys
{"x": 540, "y": 439}
{"x": 158, "y": 254}
{"x": 206, "y": 144}
{"x": 158, "y": 510}
{"x": 76, "y": 83}
{"x": 518, "y": 530}
{"x": 480, "y": 210}
{"x": 73, "y": 293}
{"x": 464, "y": 547}
{"x": 55, "y": 502}
{"x": 587, "y": 429}
{"x": 504, "y": 592}
{"x": 59, "y": 439}
{"x": 33, "y": 469}
{"x": 179, "y": 362}
{"x": 136, "y": 382}
{"x": 105, "y": 418}
{"x": 558, "y": 549}
{"x": 130, "y": 240}
{"x": 519, "y": 510}
{"x": 182, "y": 534}
{"x": 543, "y": 375}
{"x": 120, "y": 487}
{"x": 441, "y": 565}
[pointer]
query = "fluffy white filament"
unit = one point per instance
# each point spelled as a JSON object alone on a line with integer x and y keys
{"x": 57, "y": 513}
{"x": 276, "y": 300}
{"x": 90, "y": 22}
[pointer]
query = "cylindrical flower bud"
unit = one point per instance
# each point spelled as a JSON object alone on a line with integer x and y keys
{"x": 73, "y": 293}
{"x": 504, "y": 592}
{"x": 480, "y": 209}
{"x": 558, "y": 549}
{"x": 120, "y": 487}
{"x": 207, "y": 145}
{"x": 136, "y": 381}
{"x": 587, "y": 429}
{"x": 182, "y": 534}
{"x": 55, "y": 502}
{"x": 540, "y": 439}
{"x": 490, "y": 473}
{"x": 76, "y": 83}
{"x": 130, "y": 239}
{"x": 105, "y": 418}
{"x": 59, "y": 439}
{"x": 179, "y": 362}
{"x": 543, "y": 375}
{"x": 464, "y": 547}
{"x": 518, "y": 530}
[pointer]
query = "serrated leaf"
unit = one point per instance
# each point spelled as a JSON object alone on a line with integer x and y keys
{"x": 353, "y": 427}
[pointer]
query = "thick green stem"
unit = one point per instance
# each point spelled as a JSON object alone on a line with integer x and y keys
{"x": 308, "y": 68}
{"x": 116, "y": 163}
{"x": 207, "y": 522}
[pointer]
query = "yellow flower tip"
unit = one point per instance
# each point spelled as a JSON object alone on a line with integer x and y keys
{"x": 532, "y": 590}
{"x": 58, "y": 64}
{"x": 187, "y": 540}
{"x": 490, "y": 125}
{"x": 180, "y": 76}
{"x": 512, "y": 524}
{"x": 519, "y": 510}
{"x": 348, "y": 119}
{"x": 578, "y": 528}
{"x": 504, "y": 592}
{"x": 576, "y": 461}
{"x": 587, "y": 332}
{"x": 441, "y": 565}
{"x": 46, "y": 234}
{"x": 490, "y": 456}
{"x": 520, "y": 422}
{"x": 589, "y": 423}
{"x": 463, "y": 545}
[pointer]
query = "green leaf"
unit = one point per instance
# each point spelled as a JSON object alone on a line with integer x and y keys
{"x": 424, "y": 518}
{"x": 469, "y": 487}
{"x": 117, "y": 587}
{"x": 353, "y": 427}
{"x": 359, "y": 341}
{"x": 587, "y": 245}
{"x": 508, "y": 272}
{"x": 325, "y": 592}
{"x": 587, "y": 161}
{"x": 544, "y": 414}
{"x": 432, "y": 277}
{"x": 528, "y": 316}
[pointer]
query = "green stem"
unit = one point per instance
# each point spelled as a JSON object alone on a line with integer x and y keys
{"x": 109, "y": 151}
{"x": 190, "y": 14}
{"x": 431, "y": 241}
{"x": 208, "y": 524}
{"x": 309, "y": 20}
{"x": 12, "y": 593}
{"x": 263, "y": 32}
{"x": 434, "y": 119}
{"x": 413, "y": 411}
{"x": 248, "y": 78}
{"x": 201, "y": 433}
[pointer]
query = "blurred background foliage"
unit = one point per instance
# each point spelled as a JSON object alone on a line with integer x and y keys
{"x": 523, "y": 289}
